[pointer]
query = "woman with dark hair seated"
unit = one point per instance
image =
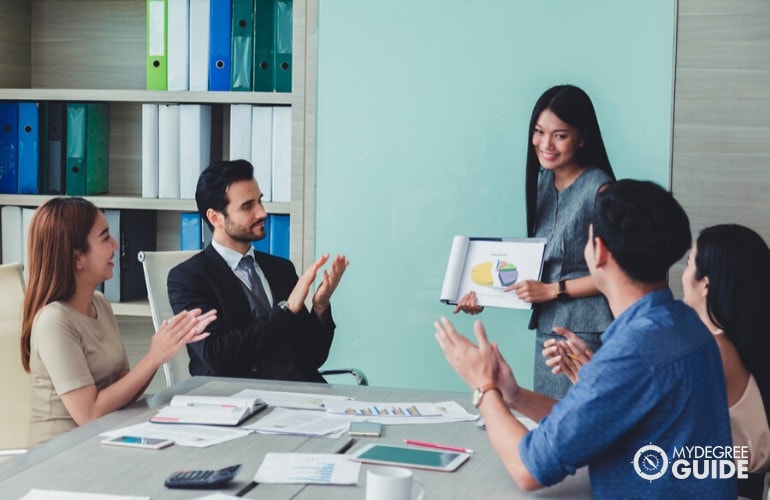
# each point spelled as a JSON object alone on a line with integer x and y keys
{"x": 726, "y": 282}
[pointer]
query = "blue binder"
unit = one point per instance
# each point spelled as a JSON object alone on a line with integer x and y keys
{"x": 29, "y": 148}
{"x": 190, "y": 233}
{"x": 219, "y": 45}
{"x": 263, "y": 245}
{"x": 279, "y": 236}
{"x": 9, "y": 143}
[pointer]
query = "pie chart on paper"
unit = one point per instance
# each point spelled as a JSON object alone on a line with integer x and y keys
{"x": 481, "y": 274}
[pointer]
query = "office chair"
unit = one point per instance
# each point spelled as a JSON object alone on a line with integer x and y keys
{"x": 14, "y": 381}
{"x": 156, "y": 268}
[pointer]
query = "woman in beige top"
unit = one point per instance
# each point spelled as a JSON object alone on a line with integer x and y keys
{"x": 70, "y": 342}
{"x": 727, "y": 281}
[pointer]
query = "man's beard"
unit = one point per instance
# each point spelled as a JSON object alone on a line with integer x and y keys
{"x": 241, "y": 234}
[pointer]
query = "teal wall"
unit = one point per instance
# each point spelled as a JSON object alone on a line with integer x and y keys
{"x": 423, "y": 109}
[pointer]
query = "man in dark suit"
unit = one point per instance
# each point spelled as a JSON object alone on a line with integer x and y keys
{"x": 263, "y": 329}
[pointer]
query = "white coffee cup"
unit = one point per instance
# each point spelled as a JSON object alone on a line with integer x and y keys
{"x": 391, "y": 483}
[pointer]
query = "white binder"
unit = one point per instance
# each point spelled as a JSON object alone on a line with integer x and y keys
{"x": 240, "y": 132}
{"x": 149, "y": 150}
{"x": 282, "y": 154}
{"x": 10, "y": 219}
{"x": 168, "y": 151}
{"x": 199, "y": 44}
{"x": 178, "y": 44}
{"x": 262, "y": 149}
{"x": 194, "y": 146}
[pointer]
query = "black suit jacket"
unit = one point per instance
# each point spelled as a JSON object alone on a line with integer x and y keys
{"x": 283, "y": 345}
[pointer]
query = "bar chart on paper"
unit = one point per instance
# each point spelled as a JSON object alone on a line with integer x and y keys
{"x": 307, "y": 468}
{"x": 361, "y": 408}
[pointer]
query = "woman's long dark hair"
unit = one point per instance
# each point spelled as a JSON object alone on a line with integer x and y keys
{"x": 573, "y": 106}
{"x": 737, "y": 262}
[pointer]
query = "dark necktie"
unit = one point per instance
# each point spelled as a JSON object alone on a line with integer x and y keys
{"x": 257, "y": 290}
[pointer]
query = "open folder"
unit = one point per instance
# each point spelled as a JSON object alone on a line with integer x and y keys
{"x": 488, "y": 266}
{"x": 208, "y": 410}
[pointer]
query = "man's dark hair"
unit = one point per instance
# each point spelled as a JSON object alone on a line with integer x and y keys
{"x": 643, "y": 226}
{"x": 214, "y": 182}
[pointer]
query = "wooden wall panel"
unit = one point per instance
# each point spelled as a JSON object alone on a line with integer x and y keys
{"x": 14, "y": 44}
{"x": 721, "y": 147}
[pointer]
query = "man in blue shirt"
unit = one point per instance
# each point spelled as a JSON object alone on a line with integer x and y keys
{"x": 653, "y": 389}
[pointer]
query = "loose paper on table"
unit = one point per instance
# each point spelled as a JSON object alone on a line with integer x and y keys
{"x": 197, "y": 436}
{"x": 307, "y": 468}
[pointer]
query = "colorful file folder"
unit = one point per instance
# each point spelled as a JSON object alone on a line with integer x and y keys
{"x": 264, "y": 45}
{"x": 279, "y": 235}
{"x": 283, "y": 47}
{"x": 219, "y": 45}
{"x": 135, "y": 231}
{"x": 190, "y": 231}
{"x": 242, "y": 48}
{"x": 56, "y": 154}
{"x": 9, "y": 152}
{"x": 157, "y": 45}
{"x": 87, "y": 148}
{"x": 29, "y": 148}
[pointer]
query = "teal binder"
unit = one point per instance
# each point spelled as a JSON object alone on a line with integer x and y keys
{"x": 264, "y": 45}
{"x": 283, "y": 49}
{"x": 242, "y": 50}
{"x": 87, "y": 149}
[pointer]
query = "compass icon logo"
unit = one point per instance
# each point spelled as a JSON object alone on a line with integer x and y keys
{"x": 650, "y": 462}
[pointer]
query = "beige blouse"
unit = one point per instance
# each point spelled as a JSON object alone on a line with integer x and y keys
{"x": 748, "y": 422}
{"x": 70, "y": 351}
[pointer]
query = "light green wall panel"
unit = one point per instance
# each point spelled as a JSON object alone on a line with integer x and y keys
{"x": 423, "y": 108}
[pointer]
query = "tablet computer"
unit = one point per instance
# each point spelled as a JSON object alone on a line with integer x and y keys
{"x": 403, "y": 456}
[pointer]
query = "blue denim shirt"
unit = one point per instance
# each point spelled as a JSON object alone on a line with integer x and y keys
{"x": 656, "y": 380}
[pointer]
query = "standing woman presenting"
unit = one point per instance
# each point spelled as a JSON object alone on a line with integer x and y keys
{"x": 566, "y": 165}
{"x": 70, "y": 343}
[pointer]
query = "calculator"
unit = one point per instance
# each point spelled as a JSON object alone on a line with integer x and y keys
{"x": 202, "y": 478}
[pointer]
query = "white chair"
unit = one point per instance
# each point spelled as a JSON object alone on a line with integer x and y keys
{"x": 156, "y": 268}
{"x": 14, "y": 381}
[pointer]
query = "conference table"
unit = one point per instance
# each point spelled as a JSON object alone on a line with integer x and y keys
{"x": 78, "y": 462}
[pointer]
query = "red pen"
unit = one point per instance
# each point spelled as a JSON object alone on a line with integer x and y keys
{"x": 439, "y": 446}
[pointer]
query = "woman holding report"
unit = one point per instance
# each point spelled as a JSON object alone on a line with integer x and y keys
{"x": 566, "y": 165}
{"x": 70, "y": 343}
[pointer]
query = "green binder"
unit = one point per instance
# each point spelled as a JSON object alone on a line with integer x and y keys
{"x": 88, "y": 141}
{"x": 242, "y": 49}
{"x": 157, "y": 45}
{"x": 264, "y": 45}
{"x": 283, "y": 18}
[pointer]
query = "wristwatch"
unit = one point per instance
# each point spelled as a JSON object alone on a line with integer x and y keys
{"x": 285, "y": 306}
{"x": 479, "y": 392}
{"x": 562, "y": 294}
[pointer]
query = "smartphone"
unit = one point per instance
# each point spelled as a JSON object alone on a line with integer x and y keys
{"x": 365, "y": 429}
{"x": 139, "y": 442}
